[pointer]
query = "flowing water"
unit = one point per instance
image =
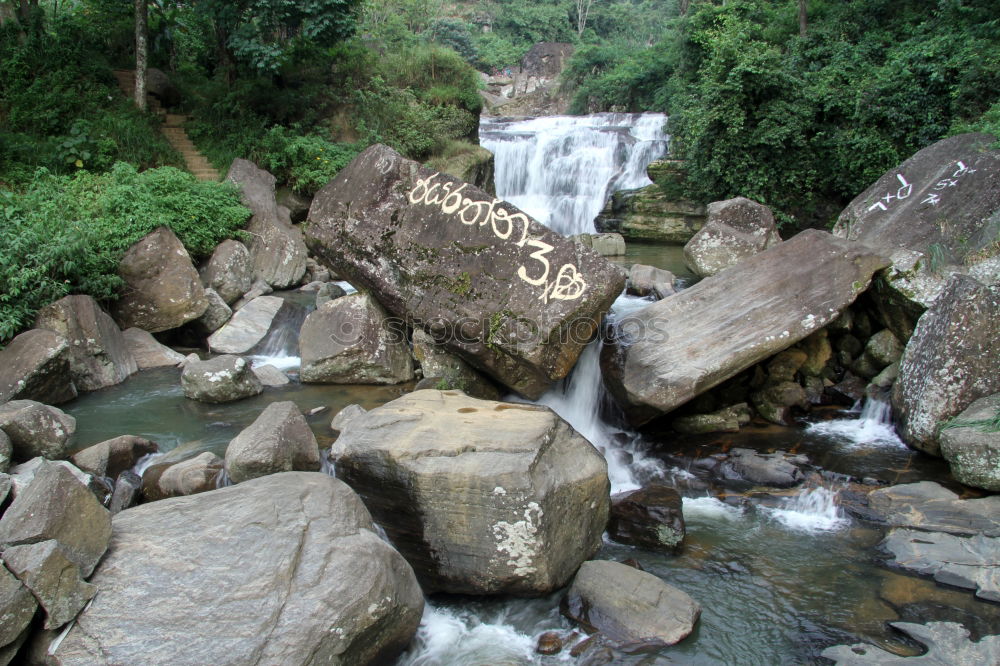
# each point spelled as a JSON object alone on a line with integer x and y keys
{"x": 561, "y": 169}
{"x": 779, "y": 575}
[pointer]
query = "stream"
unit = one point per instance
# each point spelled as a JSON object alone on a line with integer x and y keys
{"x": 780, "y": 575}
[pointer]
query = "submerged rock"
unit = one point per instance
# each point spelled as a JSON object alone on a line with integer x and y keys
{"x": 969, "y": 562}
{"x": 481, "y": 497}
{"x": 351, "y": 340}
{"x": 735, "y": 229}
{"x": 651, "y": 517}
{"x": 288, "y": 564}
{"x": 220, "y": 379}
{"x": 229, "y": 271}
{"x": 162, "y": 288}
{"x": 678, "y": 348}
{"x": 950, "y": 362}
{"x": 971, "y": 444}
{"x": 279, "y": 440}
{"x": 35, "y": 429}
{"x": 777, "y": 470}
{"x": 277, "y": 250}
{"x": 948, "y": 644}
{"x": 36, "y": 366}
{"x": 497, "y": 288}
{"x": 628, "y": 605}
{"x": 98, "y": 353}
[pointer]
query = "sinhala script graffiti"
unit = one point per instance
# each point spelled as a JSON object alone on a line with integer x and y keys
{"x": 567, "y": 285}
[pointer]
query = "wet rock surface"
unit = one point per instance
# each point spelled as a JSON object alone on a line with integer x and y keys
{"x": 682, "y": 346}
{"x": 628, "y": 605}
{"x": 481, "y": 497}
{"x": 289, "y": 564}
{"x": 930, "y": 507}
{"x": 651, "y": 517}
{"x": 967, "y": 562}
{"x": 500, "y": 290}
{"x": 948, "y": 644}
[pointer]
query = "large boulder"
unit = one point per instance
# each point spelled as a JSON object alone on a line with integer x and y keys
{"x": 148, "y": 352}
{"x": 935, "y": 214}
{"x": 98, "y": 353}
{"x": 971, "y": 444}
{"x": 497, "y": 288}
{"x": 950, "y": 362}
{"x": 220, "y": 379}
{"x": 444, "y": 370}
{"x": 255, "y": 325}
{"x": 651, "y": 517}
{"x": 279, "y": 440}
{"x": 52, "y": 577}
{"x": 277, "y": 250}
{"x": 735, "y": 229}
{"x": 35, "y": 429}
{"x": 481, "y": 497}
{"x": 216, "y": 314}
{"x": 351, "y": 340}
{"x": 648, "y": 215}
{"x": 162, "y": 288}
{"x": 57, "y": 506}
{"x": 646, "y": 280}
{"x": 195, "y": 475}
{"x": 17, "y": 607}
{"x": 229, "y": 271}
{"x": 36, "y": 366}
{"x": 671, "y": 351}
{"x": 630, "y": 606}
{"x": 289, "y": 565}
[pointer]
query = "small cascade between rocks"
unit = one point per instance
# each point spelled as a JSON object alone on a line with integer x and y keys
{"x": 812, "y": 510}
{"x": 871, "y": 427}
{"x": 562, "y": 169}
{"x": 281, "y": 346}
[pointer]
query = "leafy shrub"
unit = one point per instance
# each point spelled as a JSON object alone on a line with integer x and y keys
{"x": 303, "y": 162}
{"x": 67, "y": 234}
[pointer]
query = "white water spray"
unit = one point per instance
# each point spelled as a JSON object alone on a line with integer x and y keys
{"x": 872, "y": 427}
{"x": 562, "y": 169}
{"x": 812, "y": 510}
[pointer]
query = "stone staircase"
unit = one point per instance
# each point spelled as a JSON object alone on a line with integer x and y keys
{"x": 173, "y": 129}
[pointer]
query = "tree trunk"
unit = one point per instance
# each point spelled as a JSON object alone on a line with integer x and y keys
{"x": 803, "y": 18}
{"x": 141, "y": 53}
{"x": 682, "y": 6}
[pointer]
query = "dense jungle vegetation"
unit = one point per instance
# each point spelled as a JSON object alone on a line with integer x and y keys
{"x": 797, "y": 103}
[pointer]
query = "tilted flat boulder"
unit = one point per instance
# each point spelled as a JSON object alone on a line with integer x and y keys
{"x": 972, "y": 446}
{"x": 148, "y": 352}
{"x": 98, "y": 353}
{"x": 279, "y": 440}
{"x": 508, "y": 295}
{"x": 628, "y": 605}
{"x": 968, "y": 562}
{"x": 950, "y": 362}
{"x": 935, "y": 214}
{"x": 735, "y": 229}
{"x": 162, "y": 288}
{"x": 680, "y": 347}
{"x": 36, "y": 366}
{"x": 277, "y": 250}
{"x": 57, "y": 506}
{"x": 229, "y": 271}
{"x": 351, "y": 340}
{"x": 481, "y": 497}
{"x": 35, "y": 429}
{"x": 948, "y": 644}
{"x": 930, "y": 507}
{"x": 285, "y": 569}
{"x": 249, "y": 329}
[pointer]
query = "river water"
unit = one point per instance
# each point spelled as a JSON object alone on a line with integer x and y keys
{"x": 780, "y": 575}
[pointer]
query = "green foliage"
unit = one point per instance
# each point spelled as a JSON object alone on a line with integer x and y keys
{"x": 494, "y": 51}
{"x": 304, "y": 162}
{"x": 984, "y": 425}
{"x": 456, "y": 35}
{"x": 67, "y": 234}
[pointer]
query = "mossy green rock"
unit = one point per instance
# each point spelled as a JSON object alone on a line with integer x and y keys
{"x": 973, "y": 450}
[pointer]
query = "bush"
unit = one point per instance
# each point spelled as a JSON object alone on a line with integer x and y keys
{"x": 303, "y": 162}
{"x": 67, "y": 234}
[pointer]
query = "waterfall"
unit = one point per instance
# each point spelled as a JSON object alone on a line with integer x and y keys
{"x": 872, "y": 426}
{"x": 812, "y": 510}
{"x": 562, "y": 169}
{"x": 280, "y": 347}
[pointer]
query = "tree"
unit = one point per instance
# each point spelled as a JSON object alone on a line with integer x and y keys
{"x": 582, "y": 11}
{"x": 141, "y": 52}
{"x": 803, "y": 18}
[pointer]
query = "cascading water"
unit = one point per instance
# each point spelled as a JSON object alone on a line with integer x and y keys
{"x": 562, "y": 169}
{"x": 872, "y": 426}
